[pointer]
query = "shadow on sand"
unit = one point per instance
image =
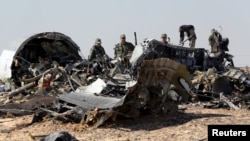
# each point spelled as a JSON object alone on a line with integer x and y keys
{"x": 154, "y": 122}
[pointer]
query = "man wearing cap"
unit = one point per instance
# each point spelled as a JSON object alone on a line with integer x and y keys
{"x": 97, "y": 52}
{"x": 123, "y": 51}
{"x": 214, "y": 41}
{"x": 123, "y": 48}
{"x": 189, "y": 30}
{"x": 164, "y": 39}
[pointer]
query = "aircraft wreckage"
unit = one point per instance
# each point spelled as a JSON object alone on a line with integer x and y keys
{"x": 50, "y": 78}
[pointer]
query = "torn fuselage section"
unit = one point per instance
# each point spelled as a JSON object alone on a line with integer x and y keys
{"x": 40, "y": 52}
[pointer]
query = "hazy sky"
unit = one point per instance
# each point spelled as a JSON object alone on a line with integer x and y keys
{"x": 85, "y": 20}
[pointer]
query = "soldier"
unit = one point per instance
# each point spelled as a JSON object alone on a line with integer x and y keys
{"x": 214, "y": 41}
{"x": 124, "y": 48}
{"x": 97, "y": 52}
{"x": 164, "y": 39}
{"x": 123, "y": 52}
{"x": 189, "y": 30}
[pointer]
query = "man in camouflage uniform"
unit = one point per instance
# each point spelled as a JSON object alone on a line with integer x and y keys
{"x": 98, "y": 55}
{"x": 189, "y": 30}
{"x": 124, "y": 48}
{"x": 214, "y": 41}
{"x": 164, "y": 39}
{"x": 97, "y": 52}
{"x": 123, "y": 52}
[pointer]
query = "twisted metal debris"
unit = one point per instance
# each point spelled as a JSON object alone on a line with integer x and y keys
{"x": 50, "y": 78}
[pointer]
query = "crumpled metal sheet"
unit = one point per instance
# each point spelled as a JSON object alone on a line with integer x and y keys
{"x": 91, "y": 101}
{"x": 164, "y": 70}
{"x": 210, "y": 84}
{"x": 238, "y": 78}
{"x": 59, "y": 135}
{"x": 236, "y": 74}
{"x": 152, "y": 88}
{"x": 151, "y": 91}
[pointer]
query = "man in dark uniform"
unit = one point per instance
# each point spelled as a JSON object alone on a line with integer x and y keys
{"x": 189, "y": 30}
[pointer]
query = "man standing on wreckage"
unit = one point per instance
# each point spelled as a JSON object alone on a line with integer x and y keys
{"x": 219, "y": 47}
{"x": 123, "y": 51}
{"x": 214, "y": 41}
{"x": 189, "y": 30}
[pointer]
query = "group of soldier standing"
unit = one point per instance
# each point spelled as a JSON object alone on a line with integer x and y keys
{"x": 123, "y": 48}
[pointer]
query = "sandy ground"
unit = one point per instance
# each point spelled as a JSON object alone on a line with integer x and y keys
{"x": 189, "y": 125}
